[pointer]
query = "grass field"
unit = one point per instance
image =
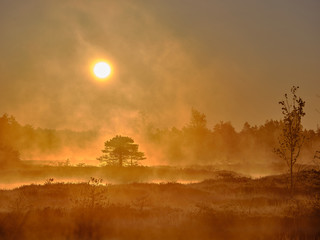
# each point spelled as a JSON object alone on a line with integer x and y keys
{"x": 225, "y": 206}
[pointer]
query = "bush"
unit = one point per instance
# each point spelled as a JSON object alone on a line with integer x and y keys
{"x": 9, "y": 157}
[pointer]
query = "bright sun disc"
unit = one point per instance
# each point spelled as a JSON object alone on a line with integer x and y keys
{"x": 102, "y": 69}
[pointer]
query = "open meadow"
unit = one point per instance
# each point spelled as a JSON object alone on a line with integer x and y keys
{"x": 226, "y": 206}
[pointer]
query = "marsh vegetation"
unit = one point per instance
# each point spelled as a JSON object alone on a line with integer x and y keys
{"x": 227, "y": 206}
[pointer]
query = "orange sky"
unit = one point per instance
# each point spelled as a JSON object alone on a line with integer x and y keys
{"x": 232, "y": 60}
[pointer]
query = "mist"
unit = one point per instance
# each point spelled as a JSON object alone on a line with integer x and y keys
{"x": 154, "y": 119}
{"x": 249, "y": 151}
{"x": 164, "y": 70}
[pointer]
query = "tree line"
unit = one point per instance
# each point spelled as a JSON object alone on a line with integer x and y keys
{"x": 195, "y": 143}
{"x": 16, "y": 138}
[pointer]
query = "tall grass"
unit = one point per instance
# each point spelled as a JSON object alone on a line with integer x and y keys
{"x": 226, "y": 207}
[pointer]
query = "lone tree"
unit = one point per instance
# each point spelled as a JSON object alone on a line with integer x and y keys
{"x": 121, "y": 151}
{"x": 292, "y": 138}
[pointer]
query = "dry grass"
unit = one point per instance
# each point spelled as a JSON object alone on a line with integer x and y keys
{"x": 228, "y": 206}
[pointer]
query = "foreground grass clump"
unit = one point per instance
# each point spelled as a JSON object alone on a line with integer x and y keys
{"x": 226, "y": 207}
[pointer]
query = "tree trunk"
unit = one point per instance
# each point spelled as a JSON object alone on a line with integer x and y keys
{"x": 291, "y": 179}
{"x": 291, "y": 170}
{"x": 291, "y": 160}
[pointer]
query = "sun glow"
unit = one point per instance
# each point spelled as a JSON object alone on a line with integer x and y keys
{"x": 102, "y": 70}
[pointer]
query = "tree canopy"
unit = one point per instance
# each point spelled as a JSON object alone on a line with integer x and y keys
{"x": 121, "y": 151}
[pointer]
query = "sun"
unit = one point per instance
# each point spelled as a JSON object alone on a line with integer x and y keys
{"x": 102, "y": 70}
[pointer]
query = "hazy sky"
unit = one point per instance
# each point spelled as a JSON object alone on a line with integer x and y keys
{"x": 232, "y": 60}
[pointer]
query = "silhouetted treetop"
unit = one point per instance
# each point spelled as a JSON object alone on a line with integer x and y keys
{"x": 198, "y": 120}
{"x": 121, "y": 151}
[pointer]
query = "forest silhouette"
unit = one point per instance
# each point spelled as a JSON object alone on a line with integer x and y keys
{"x": 195, "y": 143}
